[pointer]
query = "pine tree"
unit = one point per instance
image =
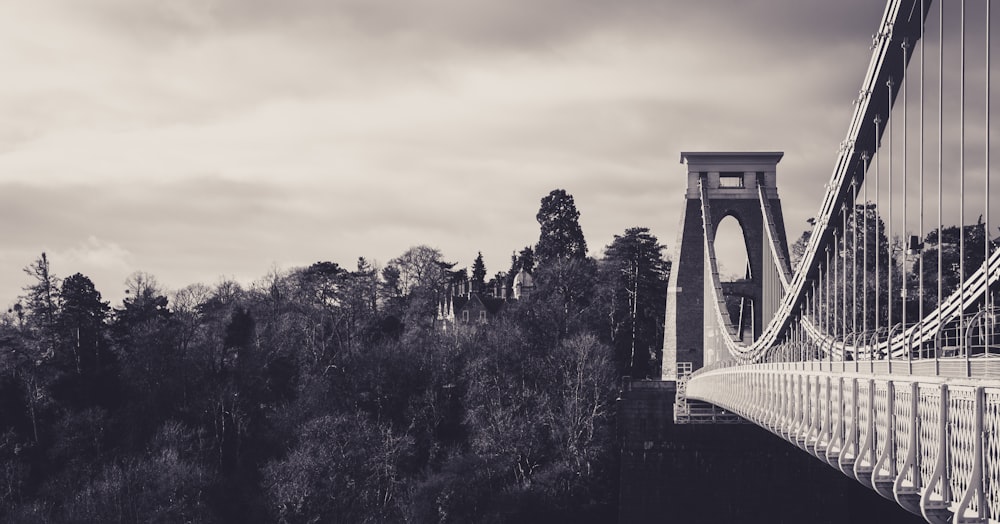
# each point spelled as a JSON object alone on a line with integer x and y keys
{"x": 43, "y": 303}
{"x": 637, "y": 273}
{"x": 478, "y": 274}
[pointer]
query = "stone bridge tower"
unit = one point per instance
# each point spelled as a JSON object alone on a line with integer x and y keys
{"x": 731, "y": 181}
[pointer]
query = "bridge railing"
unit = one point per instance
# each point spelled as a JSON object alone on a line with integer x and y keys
{"x": 928, "y": 442}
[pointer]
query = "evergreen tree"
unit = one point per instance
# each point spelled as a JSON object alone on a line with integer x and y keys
{"x": 478, "y": 274}
{"x": 637, "y": 274}
{"x": 84, "y": 356}
{"x": 526, "y": 259}
{"x": 561, "y": 236}
{"x": 43, "y": 302}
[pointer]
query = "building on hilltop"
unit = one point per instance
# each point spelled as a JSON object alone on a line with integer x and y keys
{"x": 462, "y": 304}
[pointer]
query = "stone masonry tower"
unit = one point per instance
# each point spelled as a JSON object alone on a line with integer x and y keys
{"x": 731, "y": 182}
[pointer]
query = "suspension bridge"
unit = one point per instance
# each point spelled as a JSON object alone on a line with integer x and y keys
{"x": 878, "y": 349}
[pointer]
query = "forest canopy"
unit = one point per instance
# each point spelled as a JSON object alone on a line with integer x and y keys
{"x": 328, "y": 393}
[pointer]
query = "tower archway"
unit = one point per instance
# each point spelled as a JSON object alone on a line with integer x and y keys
{"x": 733, "y": 254}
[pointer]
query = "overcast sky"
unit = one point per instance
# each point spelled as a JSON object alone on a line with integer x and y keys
{"x": 204, "y": 139}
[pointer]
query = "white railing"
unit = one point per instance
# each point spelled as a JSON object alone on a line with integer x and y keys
{"x": 930, "y": 443}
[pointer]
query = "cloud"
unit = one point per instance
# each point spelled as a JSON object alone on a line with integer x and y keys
{"x": 221, "y": 138}
{"x": 95, "y": 253}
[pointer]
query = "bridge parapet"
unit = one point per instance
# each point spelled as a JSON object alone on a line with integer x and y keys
{"x": 929, "y": 442}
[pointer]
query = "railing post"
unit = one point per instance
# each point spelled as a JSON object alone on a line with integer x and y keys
{"x": 933, "y": 509}
{"x": 785, "y": 403}
{"x": 975, "y": 493}
{"x": 849, "y": 451}
{"x": 908, "y": 496}
{"x": 836, "y": 444}
{"x": 883, "y": 483}
{"x": 864, "y": 464}
{"x": 776, "y": 396}
{"x": 800, "y": 400}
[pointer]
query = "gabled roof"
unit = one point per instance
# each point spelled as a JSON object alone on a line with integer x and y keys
{"x": 458, "y": 302}
{"x": 491, "y": 304}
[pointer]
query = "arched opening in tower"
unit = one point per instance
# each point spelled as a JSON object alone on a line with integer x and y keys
{"x": 736, "y": 276}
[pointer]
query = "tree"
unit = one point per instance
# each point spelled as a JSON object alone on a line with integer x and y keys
{"x": 323, "y": 281}
{"x": 418, "y": 266}
{"x": 42, "y": 303}
{"x": 360, "y": 302}
{"x": 162, "y": 485}
{"x": 509, "y": 420}
{"x": 392, "y": 286}
{"x": 144, "y": 339}
{"x": 867, "y": 248}
{"x": 187, "y": 309}
{"x": 81, "y": 320}
{"x": 636, "y": 272}
{"x": 478, "y": 273}
{"x": 365, "y": 285}
{"x": 321, "y": 289}
{"x": 40, "y": 339}
{"x": 864, "y": 251}
{"x": 526, "y": 259}
{"x": 422, "y": 278}
{"x": 561, "y": 236}
{"x": 141, "y": 322}
{"x": 564, "y": 300}
{"x": 948, "y": 242}
{"x": 799, "y": 246}
{"x": 87, "y": 374}
{"x": 582, "y": 402}
{"x": 515, "y": 266}
{"x": 345, "y": 468}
